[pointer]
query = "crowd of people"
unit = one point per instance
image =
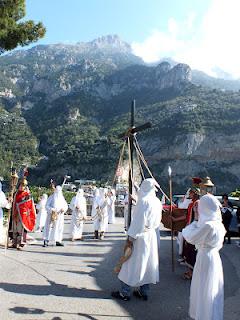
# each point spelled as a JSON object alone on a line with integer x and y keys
{"x": 47, "y": 216}
{"x": 206, "y": 226}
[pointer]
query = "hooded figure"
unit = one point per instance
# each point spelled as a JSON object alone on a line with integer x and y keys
{"x": 3, "y": 204}
{"x": 56, "y": 207}
{"x": 111, "y": 206}
{"x": 78, "y": 206}
{"x": 207, "y": 234}
{"x": 142, "y": 268}
{"x": 42, "y": 212}
{"x": 100, "y": 213}
{"x": 94, "y": 213}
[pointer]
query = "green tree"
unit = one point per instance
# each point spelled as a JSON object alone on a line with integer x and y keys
{"x": 13, "y": 31}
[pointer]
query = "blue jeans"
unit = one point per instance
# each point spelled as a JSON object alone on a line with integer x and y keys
{"x": 126, "y": 289}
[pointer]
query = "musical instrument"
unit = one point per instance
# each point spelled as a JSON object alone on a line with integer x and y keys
{"x": 176, "y": 213}
{"x": 54, "y": 216}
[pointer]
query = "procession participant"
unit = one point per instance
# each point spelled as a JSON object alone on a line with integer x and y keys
{"x": 182, "y": 204}
{"x": 111, "y": 206}
{"x": 78, "y": 206}
{"x": 227, "y": 208}
{"x": 100, "y": 214}
{"x": 207, "y": 234}
{"x": 189, "y": 250}
{"x": 206, "y": 186}
{"x": 142, "y": 269}
{"x": 94, "y": 213}
{"x": 56, "y": 207}
{"x": 126, "y": 203}
{"x": 42, "y": 212}
{"x": 23, "y": 214}
{"x": 3, "y": 204}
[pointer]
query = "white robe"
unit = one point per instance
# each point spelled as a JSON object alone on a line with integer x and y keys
{"x": 142, "y": 267}
{"x": 94, "y": 212}
{"x": 207, "y": 292}
{"x": 53, "y": 231}
{"x": 111, "y": 208}
{"x": 100, "y": 223}
{"x": 182, "y": 205}
{"x": 3, "y": 204}
{"x": 42, "y": 213}
{"x": 78, "y": 206}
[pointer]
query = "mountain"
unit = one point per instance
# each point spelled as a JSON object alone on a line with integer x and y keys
{"x": 71, "y": 102}
{"x": 223, "y": 80}
{"x": 202, "y": 79}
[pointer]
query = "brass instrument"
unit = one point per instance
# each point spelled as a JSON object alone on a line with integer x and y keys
{"x": 54, "y": 216}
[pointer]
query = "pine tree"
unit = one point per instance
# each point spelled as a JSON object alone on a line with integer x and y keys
{"x": 13, "y": 31}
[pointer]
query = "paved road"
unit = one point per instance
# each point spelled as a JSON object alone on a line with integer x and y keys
{"x": 75, "y": 282}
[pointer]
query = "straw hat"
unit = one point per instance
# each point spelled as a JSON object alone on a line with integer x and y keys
{"x": 206, "y": 182}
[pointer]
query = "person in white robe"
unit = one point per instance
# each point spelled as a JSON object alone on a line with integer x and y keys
{"x": 56, "y": 207}
{"x": 3, "y": 204}
{"x": 100, "y": 214}
{"x": 134, "y": 198}
{"x": 78, "y": 206}
{"x": 183, "y": 204}
{"x": 94, "y": 213}
{"x": 142, "y": 268}
{"x": 42, "y": 213}
{"x": 111, "y": 206}
{"x": 207, "y": 234}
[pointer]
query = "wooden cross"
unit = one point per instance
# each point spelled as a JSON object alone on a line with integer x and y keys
{"x": 130, "y": 134}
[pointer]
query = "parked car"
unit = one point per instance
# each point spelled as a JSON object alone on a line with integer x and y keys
{"x": 69, "y": 186}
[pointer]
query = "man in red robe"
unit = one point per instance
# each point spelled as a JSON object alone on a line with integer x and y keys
{"x": 19, "y": 232}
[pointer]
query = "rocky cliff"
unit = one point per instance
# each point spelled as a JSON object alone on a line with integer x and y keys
{"x": 74, "y": 99}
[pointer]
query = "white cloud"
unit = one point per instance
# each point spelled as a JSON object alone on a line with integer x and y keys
{"x": 190, "y": 20}
{"x": 212, "y": 43}
{"x": 158, "y": 44}
{"x": 172, "y": 26}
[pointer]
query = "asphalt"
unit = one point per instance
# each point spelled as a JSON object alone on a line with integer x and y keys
{"x": 75, "y": 281}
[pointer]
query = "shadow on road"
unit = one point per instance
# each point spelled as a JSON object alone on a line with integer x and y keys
{"x": 168, "y": 299}
{"x": 36, "y": 311}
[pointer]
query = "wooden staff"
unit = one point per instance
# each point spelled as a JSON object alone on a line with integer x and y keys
{"x": 171, "y": 214}
{"x": 13, "y": 184}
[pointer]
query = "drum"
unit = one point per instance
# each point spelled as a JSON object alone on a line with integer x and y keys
{"x": 176, "y": 213}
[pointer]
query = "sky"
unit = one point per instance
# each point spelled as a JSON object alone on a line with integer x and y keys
{"x": 201, "y": 33}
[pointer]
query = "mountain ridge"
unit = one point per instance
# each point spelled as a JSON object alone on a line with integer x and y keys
{"x": 75, "y": 106}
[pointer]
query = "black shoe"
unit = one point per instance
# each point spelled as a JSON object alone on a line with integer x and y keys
{"x": 59, "y": 244}
{"x": 45, "y": 243}
{"x": 119, "y": 295}
{"x": 138, "y": 294}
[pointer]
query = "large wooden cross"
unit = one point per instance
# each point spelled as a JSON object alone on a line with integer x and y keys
{"x": 130, "y": 134}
